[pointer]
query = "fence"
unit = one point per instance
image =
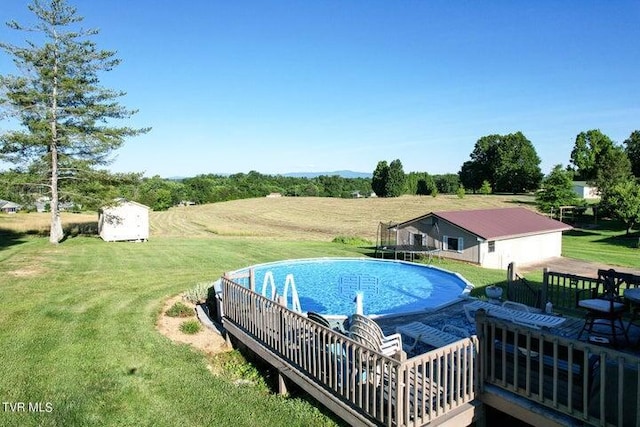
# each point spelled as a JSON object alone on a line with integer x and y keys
{"x": 358, "y": 383}
{"x": 593, "y": 384}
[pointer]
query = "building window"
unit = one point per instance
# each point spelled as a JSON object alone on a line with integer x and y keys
{"x": 492, "y": 246}
{"x": 417, "y": 239}
{"x": 454, "y": 244}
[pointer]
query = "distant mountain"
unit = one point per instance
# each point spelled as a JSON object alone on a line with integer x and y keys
{"x": 343, "y": 174}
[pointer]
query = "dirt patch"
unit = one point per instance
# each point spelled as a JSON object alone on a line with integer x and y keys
{"x": 207, "y": 340}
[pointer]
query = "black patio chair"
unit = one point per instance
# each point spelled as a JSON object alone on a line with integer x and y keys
{"x": 606, "y": 307}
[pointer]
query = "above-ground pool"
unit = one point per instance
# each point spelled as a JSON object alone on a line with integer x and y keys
{"x": 329, "y": 285}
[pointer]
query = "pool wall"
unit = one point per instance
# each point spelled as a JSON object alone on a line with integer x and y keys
{"x": 244, "y": 273}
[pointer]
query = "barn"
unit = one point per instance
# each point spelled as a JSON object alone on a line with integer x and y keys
{"x": 124, "y": 221}
{"x": 492, "y": 238}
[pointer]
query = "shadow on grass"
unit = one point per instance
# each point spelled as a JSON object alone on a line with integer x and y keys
{"x": 631, "y": 241}
{"x": 10, "y": 238}
{"x": 576, "y": 232}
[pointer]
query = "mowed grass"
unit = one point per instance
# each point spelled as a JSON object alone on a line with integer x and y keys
{"x": 605, "y": 242}
{"x": 77, "y": 331}
{"x": 77, "y": 320}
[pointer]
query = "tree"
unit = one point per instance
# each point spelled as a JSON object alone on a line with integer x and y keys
{"x": 395, "y": 179}
{"x": 470, "y": 176}
{"x": 624, "y": 203}
{"x": 633, "y": 151}
{"x": 508, "y": 162}
{"x": 557, "y": 190}
{"x": 380, "y": 178}
{"x": 447, "y": 183}
{"x": 485, "y": 188}
{"x": 65, "y": 115}
{"x": 518, "y": 166}
{"x": 588, "y": 152}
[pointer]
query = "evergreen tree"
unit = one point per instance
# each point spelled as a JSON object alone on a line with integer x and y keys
{"x": 65, "y": 114}
{"x": 395, "y": 179}
{"x": 380, "y": 178}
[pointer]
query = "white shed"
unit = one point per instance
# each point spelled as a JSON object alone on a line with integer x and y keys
{"x": 585, "y": 191}
{"x": 124, "y": 221}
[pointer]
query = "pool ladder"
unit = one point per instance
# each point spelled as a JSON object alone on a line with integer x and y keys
{"x": 269, "y": 290}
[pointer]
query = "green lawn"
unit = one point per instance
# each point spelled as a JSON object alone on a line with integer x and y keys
{"x": 77, "y": 328}
{"x": 605, "y": 243}
{"x": 77, "y": 332}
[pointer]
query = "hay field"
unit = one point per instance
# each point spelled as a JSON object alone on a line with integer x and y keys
{"x": 310, "y": 218}
{"x": 288, "y": 218}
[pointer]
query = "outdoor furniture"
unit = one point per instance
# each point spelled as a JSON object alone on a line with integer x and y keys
{"x": 321, "y": 320}
{"x": 513, "y": 312}
{"x": 633, "y": 296}
{"x": 430, "y": 335}
{"x": 367, "y": 332}
{"x": 605, "y": 308}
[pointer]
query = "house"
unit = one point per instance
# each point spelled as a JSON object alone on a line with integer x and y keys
{"x": 9, "y": 207}
{"x": 490, "y": 237}
{"x": 585, "y": 191}
{"x": 124, "y": 221}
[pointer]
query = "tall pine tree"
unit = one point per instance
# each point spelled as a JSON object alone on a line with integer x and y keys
{"x": 64, "y": 113}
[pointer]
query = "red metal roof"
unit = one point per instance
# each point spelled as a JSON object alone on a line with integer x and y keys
{"x": 502, "y": 223}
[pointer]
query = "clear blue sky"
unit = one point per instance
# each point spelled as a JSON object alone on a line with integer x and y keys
{"x": 287, "y": 86}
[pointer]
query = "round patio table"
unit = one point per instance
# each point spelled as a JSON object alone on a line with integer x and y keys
{"x": 633, "y": 296}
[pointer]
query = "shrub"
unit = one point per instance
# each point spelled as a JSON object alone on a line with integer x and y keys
{"x": 179, "y": 310}
{"x": 352, "y": 241}
{"x": 190, "y": 327}
{"x": 198, "y": 293}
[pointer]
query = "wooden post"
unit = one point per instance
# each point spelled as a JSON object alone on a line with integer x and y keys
{"x": 282, "y": 385}
{"x": 252, "y": 280}
{"x": 483, "y": 352}
{"x": 544, "y": 292}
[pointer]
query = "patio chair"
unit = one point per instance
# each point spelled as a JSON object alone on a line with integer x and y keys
{"x": 430, "y": 335}
{"x": 606, "y": 307}
{"x": 367, "y": 332}
{"x": 515, "y": 313}
{"x": 321, "y": 320}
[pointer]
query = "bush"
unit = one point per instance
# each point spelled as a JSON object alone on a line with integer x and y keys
{"x": 179, "y": 310}
{"x": 190, "y": 327}
{"x": 198, "y": 293}
{"x": 352, "y": 241}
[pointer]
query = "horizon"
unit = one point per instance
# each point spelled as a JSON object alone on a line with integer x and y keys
{"x": 294, "y": 87}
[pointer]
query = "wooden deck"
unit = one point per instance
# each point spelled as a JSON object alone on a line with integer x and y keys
{"x": 454, "y": 315}
{"x": 510, "y": 367}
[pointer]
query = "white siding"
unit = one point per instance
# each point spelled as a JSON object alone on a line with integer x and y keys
{"x": 123, "y": 222}
{"x": 522, "y": 250}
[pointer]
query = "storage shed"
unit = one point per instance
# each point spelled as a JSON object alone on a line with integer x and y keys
{"x": 585, "y": 191}
{"x": 492, "y": 238}
{"x": 124, "y": 221}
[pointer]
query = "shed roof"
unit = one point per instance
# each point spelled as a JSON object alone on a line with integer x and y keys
{"x": 500, "y": 223}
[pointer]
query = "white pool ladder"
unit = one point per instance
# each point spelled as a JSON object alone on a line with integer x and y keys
{"x": 269, "y": 290}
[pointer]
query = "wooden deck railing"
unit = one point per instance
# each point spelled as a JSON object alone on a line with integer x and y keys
{"x": 593, "y": 384}
{"x": 361, "y": 383}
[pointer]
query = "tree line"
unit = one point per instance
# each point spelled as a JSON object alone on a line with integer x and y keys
{"x": 67, "y": 133}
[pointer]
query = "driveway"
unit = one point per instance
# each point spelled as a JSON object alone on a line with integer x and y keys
{"x": 573, "y": 266}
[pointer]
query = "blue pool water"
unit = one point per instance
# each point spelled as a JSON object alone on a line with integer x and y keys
{"x": 329, "y": 285}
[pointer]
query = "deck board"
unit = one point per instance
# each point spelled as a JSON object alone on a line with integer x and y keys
{"x": 454, "y": 315}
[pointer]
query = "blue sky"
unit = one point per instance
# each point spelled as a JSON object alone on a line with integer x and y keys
{"x": 289, "y": 86}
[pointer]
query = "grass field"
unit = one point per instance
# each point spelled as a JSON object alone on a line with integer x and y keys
{"x": 77, "y": 320}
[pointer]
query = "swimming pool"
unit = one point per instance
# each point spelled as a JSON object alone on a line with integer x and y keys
{"x": 329, "y": 285}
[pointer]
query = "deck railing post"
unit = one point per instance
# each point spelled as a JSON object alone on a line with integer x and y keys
{"x": 544, "y": 292}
